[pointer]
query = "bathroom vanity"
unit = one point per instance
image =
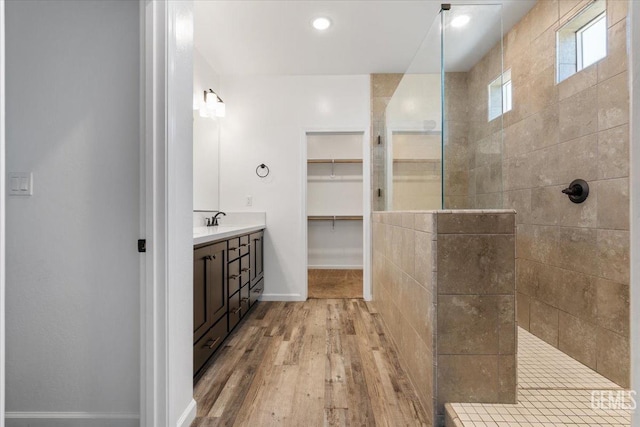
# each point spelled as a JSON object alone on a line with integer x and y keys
{"x": 227, "y": 282}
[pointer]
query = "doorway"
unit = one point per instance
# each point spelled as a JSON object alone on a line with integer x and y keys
{"x": 335, "y": 214}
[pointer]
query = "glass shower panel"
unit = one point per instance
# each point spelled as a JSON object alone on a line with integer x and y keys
{"x": 476, "y": 97}
{"x": 412, "y": 132}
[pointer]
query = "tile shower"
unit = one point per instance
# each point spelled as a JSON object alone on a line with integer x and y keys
{"x": 572, "y": 260}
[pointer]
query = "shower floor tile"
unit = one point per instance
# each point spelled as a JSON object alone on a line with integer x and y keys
{"x": 554, "y": 390}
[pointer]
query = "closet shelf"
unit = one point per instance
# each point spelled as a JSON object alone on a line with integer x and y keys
{"x": 334, "y": 161}
{"x": 334, "y": 217}
{"x": 416, "y": 160}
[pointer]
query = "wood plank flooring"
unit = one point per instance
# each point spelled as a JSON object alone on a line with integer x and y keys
{"x": 331, "y": 283}
{"x": 323, "y": 362}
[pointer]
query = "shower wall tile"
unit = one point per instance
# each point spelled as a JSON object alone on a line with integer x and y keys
{"x": 616, "y": 60}
{"x": 616, "y": 11}
{"x": 613, "y": 255}
{"x": 542, "y": 16}
{"x": 578, "y": 115}
{"x": 575, "y": 339}
{"x": 578, "y": 82}
{"x": 613, "y": 356}
{"x": 522, "y": 302}
{"x": 544, "y": 322}
{"x": 613, "y": 192}
{"x": 613, "y": 102}
{"x": 613, "y": 306}
{"x": 613, "y": 152}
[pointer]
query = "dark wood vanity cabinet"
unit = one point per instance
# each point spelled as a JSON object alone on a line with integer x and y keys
{"x": 227, "y": 282}
{"x": 209, "y": 293}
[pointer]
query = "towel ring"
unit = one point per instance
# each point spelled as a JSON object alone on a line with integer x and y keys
{"x": 259, "y": 170}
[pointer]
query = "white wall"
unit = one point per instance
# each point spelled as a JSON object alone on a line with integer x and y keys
{"x": 206, "y": 138}
{"x": 267, "y": 117}
{"x": 72, "y": 266}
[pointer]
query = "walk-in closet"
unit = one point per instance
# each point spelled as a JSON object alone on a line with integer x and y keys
{"x": 334, "y": 214}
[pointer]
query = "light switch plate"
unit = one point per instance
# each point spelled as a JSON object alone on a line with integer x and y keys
{"x": 20, "y": 184}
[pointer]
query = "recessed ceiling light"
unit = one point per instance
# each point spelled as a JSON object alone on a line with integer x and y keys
{"x": 460, "y": 21}
{"x": 321, "y": 23}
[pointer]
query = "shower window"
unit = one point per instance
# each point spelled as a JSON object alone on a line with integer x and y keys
{"x": 582, "y": 41}
{"x": 500, "y": 95}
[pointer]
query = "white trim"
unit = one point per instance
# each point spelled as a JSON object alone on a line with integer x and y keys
{"x": 634, "y": 202}
{"x": 2, "y": 216}
{"x": 154, "y": 390}
{"x": 282, "y": 297}
{"x": 304, "y": 226}
{"x": 366, "y": 216}
{"x": 335, "y": 267}
{"x": 188, "y": 415}
{"x": 72, "y": 415}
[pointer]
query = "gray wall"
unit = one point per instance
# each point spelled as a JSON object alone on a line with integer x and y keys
{"x": 72, "y": 267}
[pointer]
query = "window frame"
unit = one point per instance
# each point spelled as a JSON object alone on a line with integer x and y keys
{"x": 579, "y": 43}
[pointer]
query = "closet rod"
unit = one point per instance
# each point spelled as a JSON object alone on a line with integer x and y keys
{"x": 334, "y": 161}
{"x": 335, "y": 218}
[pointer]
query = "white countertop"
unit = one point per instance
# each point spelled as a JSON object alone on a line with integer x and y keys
{"x": 211, "y": 234}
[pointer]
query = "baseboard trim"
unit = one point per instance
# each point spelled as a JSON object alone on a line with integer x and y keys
{"x": 188, "y": 415}
{"x": 71, "y": 419}
{"x": 334, "y": 267}
{"x": 282, "y": 297}
{"x": 72, "y": 415}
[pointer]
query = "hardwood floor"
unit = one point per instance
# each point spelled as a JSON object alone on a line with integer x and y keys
{"x": 314, "y": 363}
{"x": 323, "y": 283}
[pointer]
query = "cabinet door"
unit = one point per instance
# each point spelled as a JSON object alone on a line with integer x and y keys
{"x": 216, "y": 280}
{"x": 201, "y": 316}
{"x": 257, "y": 260}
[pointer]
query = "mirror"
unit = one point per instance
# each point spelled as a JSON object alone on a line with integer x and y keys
{"x": 206, "y": 139}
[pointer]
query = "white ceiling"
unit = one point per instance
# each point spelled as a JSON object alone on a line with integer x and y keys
{"x": 276, "y": 37}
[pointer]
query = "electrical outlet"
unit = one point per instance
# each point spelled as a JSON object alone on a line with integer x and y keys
{"x": 249, "y": 200}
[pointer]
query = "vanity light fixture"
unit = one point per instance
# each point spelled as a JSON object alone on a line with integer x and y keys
{"x": 460, "y": 21}
{"x": 321, "y": 23}
{"x": 213, "y": 105}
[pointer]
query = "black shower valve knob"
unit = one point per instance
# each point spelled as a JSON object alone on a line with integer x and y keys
{"x": 578, "y": 191}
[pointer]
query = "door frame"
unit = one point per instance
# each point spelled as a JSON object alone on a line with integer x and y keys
{"x": 366, "y": 206}
{"x": 3, "y": 187}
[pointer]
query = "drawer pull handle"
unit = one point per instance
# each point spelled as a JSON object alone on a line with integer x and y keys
{"x": 257, "y": 291}
{"x": 244, "y": 299}
{"x": 209, "y": 257}
{"x": 242, "y": 245}
{"x": 233, "y": 249}
{"x": 233, "y": 276}
{"x": 245, "y": 270}
{"x": 211, "y": 343}
{"x": 237, "y": 310}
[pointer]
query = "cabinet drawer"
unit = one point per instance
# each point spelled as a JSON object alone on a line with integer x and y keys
{"x": 234, "y": 277}
{"x": 208, "y": 344}
{"x": 244, "y": 245}
{"x": 256, "y": 291}
{"x": 234, "y": 310}
{"x": 233, "y": 249}
{"x": 245, "y": 269}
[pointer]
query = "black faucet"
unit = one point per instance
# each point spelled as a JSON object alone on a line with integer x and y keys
{"x": 213, "y": 221}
